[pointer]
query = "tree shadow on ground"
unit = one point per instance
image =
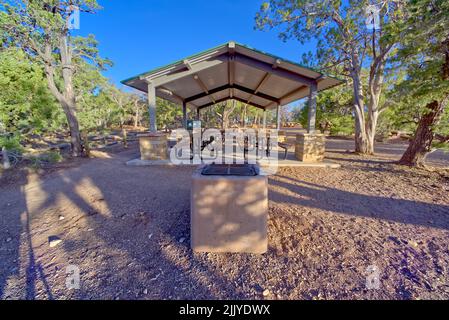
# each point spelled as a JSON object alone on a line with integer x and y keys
{"x": 113, "y": 225}
{"x": 125, "y": 227}
{"x": 16, "y": 223}
{"x": 345, "y": 202}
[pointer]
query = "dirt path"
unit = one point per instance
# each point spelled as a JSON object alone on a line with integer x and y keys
{"x": 393, "y": 149}
{"x": 127, "y": 230}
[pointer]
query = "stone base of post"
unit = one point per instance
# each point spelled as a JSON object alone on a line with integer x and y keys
{"x": 153, "y": 146}
{"x": 310, "y": 147}
{"x": 282, "y": 136}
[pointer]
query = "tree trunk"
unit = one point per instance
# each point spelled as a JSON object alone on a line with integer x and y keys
{"x": 421, "y": 145}
{"x": 69, "y": 108}
{"x": 67, "y": 97}
{"x": 243, "y": 116}
{"x": 376, "y": 80}
{"x": 137, "y": 116}
{"x": 361, "y": 142}
{"x": 225, "y": 121}
{"x": 371, "y": 125}
{"x": 5, "y": 156}
{"x": 75, "y": 137}
{"x": 227, "y": 112}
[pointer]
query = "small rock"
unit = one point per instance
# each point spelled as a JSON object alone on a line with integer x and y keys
{"x": 150, "y": 236}
{"x": 394, "y": 239}
{"x": 266, "y": 293}
{"x": 61, "y": 218}
{"x": 414, "y": 244}
{"x": 54, "y": 241}
{"x": 182, "y": 240}
{"x": 145, "y": 291}
{"x": 8, "y": 240}
{"x": 90, "y": 230}
{"x": 155, "y": 278}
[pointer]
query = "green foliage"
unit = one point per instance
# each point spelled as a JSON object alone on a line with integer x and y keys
{"x": 235, "y": 113}
{"x": 46, "y": 158}
{"x": 336, "y": 124}
{"x": 339, "y": 27}
{"x": 169, "y": 115}
{"x": 11, "y": 143}
{"x": 424, "y": 57}
{"x": 28, "y": 108}
{"x": 51, "y": 157}
{"x": 334, "y": 111}
{"x": 26, "y": 105}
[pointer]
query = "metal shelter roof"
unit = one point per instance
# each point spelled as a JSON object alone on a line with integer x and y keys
{"x": 232, "y": 71}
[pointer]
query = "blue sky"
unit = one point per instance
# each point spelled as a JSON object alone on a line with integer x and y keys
{"x": 140, "y": 35}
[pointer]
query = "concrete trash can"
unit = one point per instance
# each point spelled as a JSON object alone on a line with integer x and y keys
{"x": 229, "y": 209}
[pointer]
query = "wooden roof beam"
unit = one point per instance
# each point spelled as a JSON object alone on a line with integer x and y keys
{"x": 267, "y": 67}
{"x": 252, "y": 103}
{"x": 210, "y": 104}
{"x": 198, "y": 67}
{"x": 203, "y": 87}
{"x": 235, "y": 86}
{"x": 259, "y": 86}
{"x": 231, "y": 67}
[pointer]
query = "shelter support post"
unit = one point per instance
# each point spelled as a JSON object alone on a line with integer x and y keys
{"x": 310, "y": 146}
{"x": 264, "y": 121}
{"x": 281, "y": 133}
{"x": 184, "y": 115}
{"x": 152, "y": 107}
{"x": 311, "y": 121}
{"x": 198, "y": 114}
{"x": 153, "y": 145}
{"x": 278, "y": 116}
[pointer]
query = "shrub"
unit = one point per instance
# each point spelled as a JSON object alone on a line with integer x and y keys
{"x": 11, "y": 143}
{"x": 45, "y": 158}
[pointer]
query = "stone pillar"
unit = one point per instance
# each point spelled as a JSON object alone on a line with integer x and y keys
{"x": 184, "y": 115}
{"x": 264, "y": 119}
{"x": 310, "y": 147}
{"x": 152, "y": 106}
{"x": 282, "y": 136}
{"x": 278, "y": 117}
{"x": 153, "y": 146}
{"x": 311, "y": 123}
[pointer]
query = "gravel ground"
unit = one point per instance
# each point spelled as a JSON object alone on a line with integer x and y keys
{"x": 127, "y": 229}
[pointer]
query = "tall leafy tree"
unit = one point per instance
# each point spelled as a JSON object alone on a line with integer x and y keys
{"x": 351, "y": 36}
{"x": 41, "y": 28}
{"x": 169, "y": 115}
{"x": 334, "y": 111}
{"x": 26, "y": 104}
{"x": 425, "y": 91}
